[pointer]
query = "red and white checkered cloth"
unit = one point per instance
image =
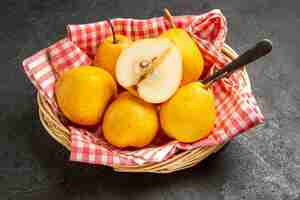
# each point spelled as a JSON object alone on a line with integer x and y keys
{"x": 236, "y": 106}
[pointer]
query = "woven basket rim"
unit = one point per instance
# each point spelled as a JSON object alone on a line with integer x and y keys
{"x": 180, "y": 161}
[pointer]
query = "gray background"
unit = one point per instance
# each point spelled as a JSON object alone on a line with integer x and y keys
{"x": 262, "y": 164}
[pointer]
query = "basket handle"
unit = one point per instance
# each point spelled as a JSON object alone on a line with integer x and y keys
{"x": 261, "y": 49}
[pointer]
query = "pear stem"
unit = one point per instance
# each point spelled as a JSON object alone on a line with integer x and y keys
{"x": 112, "y": 30}
{"x": 169, "y": 17}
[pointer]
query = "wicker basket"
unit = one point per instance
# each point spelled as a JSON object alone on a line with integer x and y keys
{"x": 180, "y": 161}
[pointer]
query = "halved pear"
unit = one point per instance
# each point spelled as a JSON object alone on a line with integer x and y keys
{"x": 151, "y": 69}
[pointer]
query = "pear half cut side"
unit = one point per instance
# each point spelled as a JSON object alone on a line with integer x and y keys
{"x": 153, "y": 67}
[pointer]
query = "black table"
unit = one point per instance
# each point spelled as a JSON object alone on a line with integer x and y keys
{"x": 262, "y": 164}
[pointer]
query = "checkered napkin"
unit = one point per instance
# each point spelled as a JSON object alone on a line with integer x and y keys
{"x": 236, "y": 106}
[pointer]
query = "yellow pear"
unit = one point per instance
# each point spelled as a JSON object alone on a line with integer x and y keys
{"x": 83, "y": 93}
{"x": 130, "y": 122}
{"x": 192, "y": 59}
{"x": 151, "y": 69}
{"x": 109, "y": 50}
{"x": 190, "y": 114}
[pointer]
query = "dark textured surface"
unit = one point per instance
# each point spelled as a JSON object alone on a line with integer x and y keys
{"x": 263, "y": 164}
